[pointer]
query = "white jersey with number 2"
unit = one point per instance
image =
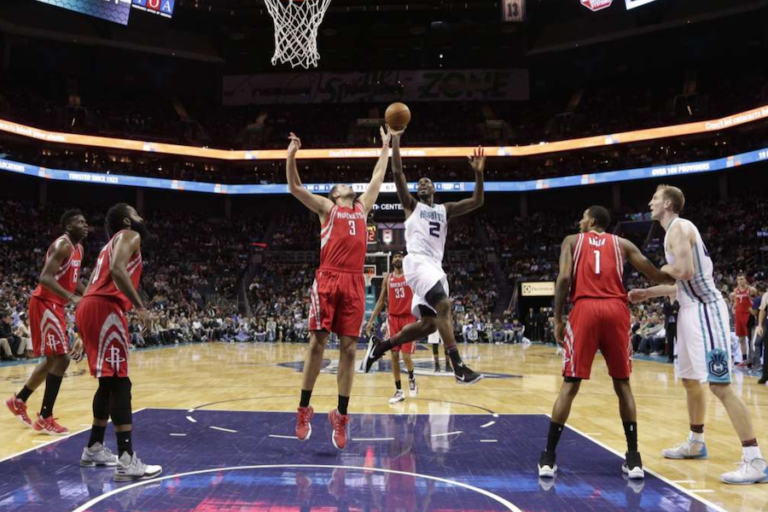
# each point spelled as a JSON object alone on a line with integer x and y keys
{"x": 426, "y": 230}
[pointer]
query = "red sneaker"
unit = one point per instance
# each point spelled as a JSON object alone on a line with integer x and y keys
{"x": 303, "y": 425}
{"x": 49, "y": 426}
{"x": 19, "y": 409}
{"x": 339, "y": 423}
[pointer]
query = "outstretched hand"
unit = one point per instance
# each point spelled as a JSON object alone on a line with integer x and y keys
{"x": 294, "y": 146}
{"x": 637, "y": 295}
{"x": 477, "y": 160}
{"x": 386, "y": 135}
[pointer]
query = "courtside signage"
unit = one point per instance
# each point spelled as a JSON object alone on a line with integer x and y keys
{"x": 543, "y": 289}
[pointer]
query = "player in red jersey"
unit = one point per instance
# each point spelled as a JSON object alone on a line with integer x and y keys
{"x": 741, "y": 298}
{"x": 59, "y": 285}
{"x": 592, "y": 268}
{"x": 396, "y": 291}
{"x": 103, "y": 328}
{"x": 338, "y": 293}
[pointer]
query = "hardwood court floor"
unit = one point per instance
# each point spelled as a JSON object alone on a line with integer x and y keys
{"x": 265, "y": 377}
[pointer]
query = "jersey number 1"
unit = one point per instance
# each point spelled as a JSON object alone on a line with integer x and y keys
{"x": 597, "y": 262}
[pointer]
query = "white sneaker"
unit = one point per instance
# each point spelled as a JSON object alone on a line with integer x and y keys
{"x": 131, "y": 468}
{"x": 690, "y": 449}
{"x": 633, "y": 466}
{"x": 413, "y": 389}
{"x": 399, "y": 397}
{"x": 754, "y": 472}
{"x": 97, "y": 455}
{"x": 547, "y": 465}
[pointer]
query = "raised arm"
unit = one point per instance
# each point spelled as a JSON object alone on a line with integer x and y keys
{"x": 477, "y": 162}
{"x": 61, "y": 251}
{"x": 406, "y": 199}
{"x": 563, "y": 286}
{"x": 318, "y": 204}
{"x": 681, "y": 248}
{"x": 368, "y": 198}
{"x": 379, "y": 306}
{"x": 643, "y": 264}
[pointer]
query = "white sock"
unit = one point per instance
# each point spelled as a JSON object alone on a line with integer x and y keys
{"x": 695, "y": 436}
{"x": 751, "y": 453}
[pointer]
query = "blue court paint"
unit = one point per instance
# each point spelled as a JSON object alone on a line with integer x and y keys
{"x": 420, "y": 468}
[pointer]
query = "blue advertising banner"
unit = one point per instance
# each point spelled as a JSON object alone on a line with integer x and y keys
{"x": 663, "y": 171}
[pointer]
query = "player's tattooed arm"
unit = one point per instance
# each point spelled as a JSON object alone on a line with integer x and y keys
{"x": 401, "y": 183}
{"x": 318, "y": 204}
{"x": 379, "y": 306}
{"x": 563, "y": 286}
{"x": 643, "y": 264}
{"x": 477, "y": 163}
{"x": 61, "y": 251}
{"x": 371, "y": 194}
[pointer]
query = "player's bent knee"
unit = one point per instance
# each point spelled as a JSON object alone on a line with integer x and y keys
{"x": 429, "y": 325}
{"x": 435, "y": 296}
{"x": 691, "y": 384}
{"x": 720, "y": 390}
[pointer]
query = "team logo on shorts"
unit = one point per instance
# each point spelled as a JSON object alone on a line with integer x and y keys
{"x": 717, "y": 364}
{"x": 115, "y": 359}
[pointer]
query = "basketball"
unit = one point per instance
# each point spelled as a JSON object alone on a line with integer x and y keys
{"x": 397, "y": 116}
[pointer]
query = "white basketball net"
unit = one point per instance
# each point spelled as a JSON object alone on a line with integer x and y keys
{"x": 296, "y": 24}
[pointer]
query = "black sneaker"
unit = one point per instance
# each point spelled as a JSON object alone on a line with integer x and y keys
{"x": 465, "y": 375}
{"x": 370, "y": 354}
{"x": 437, "y": 367}
{"x": 763, "y": 379}
{"x": 633, "y": 467}
{"x": 547, "y": 466}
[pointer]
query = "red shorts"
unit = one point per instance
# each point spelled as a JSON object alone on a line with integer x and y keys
{"x": 598, "y": 324}
{"x": 48, "y": 327}
{"x": 741, "y": 320}
{"x": 337, "y": 303}
{"x": 396, "y": 324}
{"x": 104, "y": 330}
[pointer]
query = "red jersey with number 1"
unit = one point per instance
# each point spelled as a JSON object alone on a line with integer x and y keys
{"x": 344, "y": 239}
{"x": 66, "y": 275}
{"x": 399, "y": 296}
{"x": 598, "y": 267}
{"x": 102, "y": 284}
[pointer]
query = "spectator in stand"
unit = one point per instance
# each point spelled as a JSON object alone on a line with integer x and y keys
{"x": 670, "y": 326}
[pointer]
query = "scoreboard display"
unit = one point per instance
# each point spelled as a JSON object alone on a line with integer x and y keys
{"x": 161, "y": 7}
{"x": 116, "y": 11}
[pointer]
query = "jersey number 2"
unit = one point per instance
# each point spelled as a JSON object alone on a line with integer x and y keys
{"x": 434, "y": 229}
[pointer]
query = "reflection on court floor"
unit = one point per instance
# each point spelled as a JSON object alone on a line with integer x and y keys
{"x": 228, "y": 461}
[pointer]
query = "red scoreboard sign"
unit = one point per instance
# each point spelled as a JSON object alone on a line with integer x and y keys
{"x": 596, "y": 5}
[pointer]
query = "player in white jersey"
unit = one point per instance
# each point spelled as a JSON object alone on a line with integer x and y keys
{"x": 703, "y": 337}
{"x": 426, "y": 228}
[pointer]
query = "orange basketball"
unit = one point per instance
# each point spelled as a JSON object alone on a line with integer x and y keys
{"x": 397, "y": 116}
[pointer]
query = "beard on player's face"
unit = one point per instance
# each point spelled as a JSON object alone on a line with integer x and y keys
{"x": 398, "y": 264}
{"x": 141, "y": 229}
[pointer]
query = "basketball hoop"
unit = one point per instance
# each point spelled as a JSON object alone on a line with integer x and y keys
{"x": 369, "y": 271}
{"x": 296, "y": 24}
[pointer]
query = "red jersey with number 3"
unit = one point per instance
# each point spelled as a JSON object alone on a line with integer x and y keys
{"x": 598, "y": 267}
{"x": 102, "y": 284}
{"x": 66, "y": 275}
{"x": 399, "y": 296}
{"x": 344, "y": 239}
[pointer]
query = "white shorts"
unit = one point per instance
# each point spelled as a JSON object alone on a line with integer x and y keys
{"x": 434, "y": 338}
{"x": 422, "y": 274}
{"x": 703, "y": 343}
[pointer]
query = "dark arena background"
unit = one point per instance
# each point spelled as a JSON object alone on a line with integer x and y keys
{"x": 177, "y": 109}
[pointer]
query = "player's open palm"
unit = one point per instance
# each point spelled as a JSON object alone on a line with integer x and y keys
{"x": 295, "y": 144}
{"x": 477, "y": 160}
{"x": 386, "y": 135}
